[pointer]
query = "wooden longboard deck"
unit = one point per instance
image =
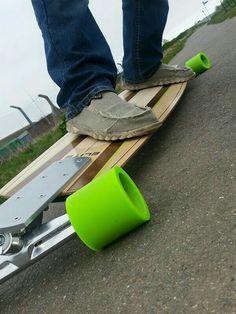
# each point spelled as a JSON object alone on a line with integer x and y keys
{"x": 104, "y": 155}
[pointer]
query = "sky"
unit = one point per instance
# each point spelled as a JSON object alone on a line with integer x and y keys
{"x": 23, "y": 65}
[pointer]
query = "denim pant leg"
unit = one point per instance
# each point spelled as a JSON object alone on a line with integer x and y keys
{"x": 143, "y": 26}
{"x": 78, "y": 57}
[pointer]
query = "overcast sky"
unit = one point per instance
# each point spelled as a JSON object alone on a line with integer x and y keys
{"x": 23, "y": 67}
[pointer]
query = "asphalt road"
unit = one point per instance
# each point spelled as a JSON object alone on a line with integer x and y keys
{"x": 183, "y": 261}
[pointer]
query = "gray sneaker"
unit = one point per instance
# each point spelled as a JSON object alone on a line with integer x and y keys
{"x": 110, "y": 118}
{"x": 165, "y": 75}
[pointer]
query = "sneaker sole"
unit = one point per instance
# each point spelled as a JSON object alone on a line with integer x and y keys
{"x": 136, "y": 87}
{"x": 117, "y": 136}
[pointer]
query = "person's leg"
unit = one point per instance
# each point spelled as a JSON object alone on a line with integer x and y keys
{"x": 78, "y": 58}
{"x": 143, "y": 25}
{"x": 80, "y": 62}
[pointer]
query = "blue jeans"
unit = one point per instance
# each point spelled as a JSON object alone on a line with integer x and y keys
{"x": 79, "y": 59}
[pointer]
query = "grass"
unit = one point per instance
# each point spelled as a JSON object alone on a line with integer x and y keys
{"x": 174, "y": 46}
{"x": 10, "y": 168}
{"x": 172, "y": 51}
{"x": 221, "y": 15}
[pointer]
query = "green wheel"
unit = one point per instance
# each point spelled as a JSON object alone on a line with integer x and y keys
{"x": 106, "y": 209}
{"x": 199, "y": 63}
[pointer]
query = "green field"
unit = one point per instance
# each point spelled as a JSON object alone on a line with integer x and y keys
{"x": 221, "y": 15}
{"x": 174, "y": 46}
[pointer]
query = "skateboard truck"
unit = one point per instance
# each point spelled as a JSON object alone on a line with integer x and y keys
{"x": 102, "y": 211}
{"x": 24, "y": 238}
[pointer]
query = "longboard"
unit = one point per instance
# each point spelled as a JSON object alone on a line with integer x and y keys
{"x": 102, "y": 201}
{"x": 104, "y": 155}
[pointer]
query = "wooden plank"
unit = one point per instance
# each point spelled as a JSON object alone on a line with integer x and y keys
{"x": 99, "y": 151}
{"x": 127, "y": 95}
{"x": 169, "y": 100}
{"x": 148, "y": 97}
{"x": 125, "y": 151}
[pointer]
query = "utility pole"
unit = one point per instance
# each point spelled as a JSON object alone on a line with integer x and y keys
{"x": 24, "y": 114}
{"x": 204, "y": 2}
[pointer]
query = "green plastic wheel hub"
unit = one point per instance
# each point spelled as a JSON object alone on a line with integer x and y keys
{"x": 106, "y": 209}
{"x": 199, "y": 63}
